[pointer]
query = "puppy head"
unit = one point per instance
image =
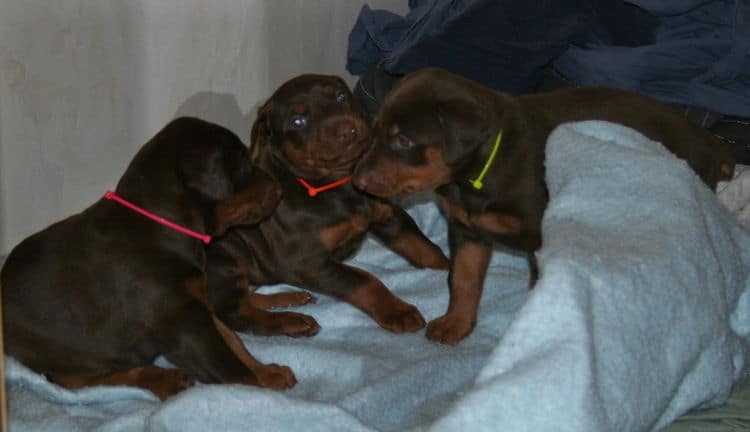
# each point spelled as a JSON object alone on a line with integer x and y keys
{"x": 428, "y": 125}
{"x": 312, "y": 125}
{"x": 215, "y": 168}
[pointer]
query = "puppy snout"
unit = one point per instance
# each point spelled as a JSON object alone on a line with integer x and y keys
{"x": 346, "y": 132}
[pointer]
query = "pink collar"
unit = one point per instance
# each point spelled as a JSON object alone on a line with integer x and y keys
{"x": 312, "y": 190}
{"x": 205, "y": 238}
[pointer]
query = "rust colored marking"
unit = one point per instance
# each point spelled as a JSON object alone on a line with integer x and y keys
{"x": 381, "y": 211}
{"x": 162, "y": 382}
{"x": 467, "y": 279}
{"x": 491, "y": 221}
{"x": 197, "y": 288}
{"x": 497, "y": 223}
{"x": 393, "y": 130}
{"x": 284, "y": 299}
{"x": 389, "y": 311}
{"x": 419, "y": 252}
{"x": 339, "y": 234}
{"x": 454, "y": 211}
{"x": 236, "y": 345}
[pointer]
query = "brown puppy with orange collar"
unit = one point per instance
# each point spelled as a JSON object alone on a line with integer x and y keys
{"x": 309, "y": 135}
{"x": 436, "y": 130}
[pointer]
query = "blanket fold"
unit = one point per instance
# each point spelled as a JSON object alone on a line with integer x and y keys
{"x": 641, "y": 313}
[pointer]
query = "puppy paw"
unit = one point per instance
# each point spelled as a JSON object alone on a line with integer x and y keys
{"x": 165, "y": 383}
{"x": 449, "y": 329}
{"x": 299, "y": 298}
{"x": 275, "y": 377}
{"x": 297, "y": 325}
{"x": 401, "y": 318}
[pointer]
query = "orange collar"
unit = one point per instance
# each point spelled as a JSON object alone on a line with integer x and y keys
{"x": 312, "y": 190}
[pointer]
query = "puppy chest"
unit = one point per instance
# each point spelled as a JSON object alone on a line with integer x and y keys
{"x": 491, "y": 221}
{"x": 341, "y": 233}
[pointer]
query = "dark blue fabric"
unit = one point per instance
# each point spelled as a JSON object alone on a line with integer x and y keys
{"x": 500, "y": 43}
{"x": 693, "y": 52}
{"x": 700, "y": 57}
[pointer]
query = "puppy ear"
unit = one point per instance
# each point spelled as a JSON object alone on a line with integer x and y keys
{"x": 465, "y": 127}
{"x": 261, "y": 132}
{"x": 239, "y": 210}
{"x": 257, "y": 196}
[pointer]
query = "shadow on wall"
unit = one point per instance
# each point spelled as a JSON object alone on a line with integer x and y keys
{"x": 222, "y": 109}
{"x": 70, "y": 107}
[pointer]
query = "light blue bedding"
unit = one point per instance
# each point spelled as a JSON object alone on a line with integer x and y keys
{"x": 641, "y": 313}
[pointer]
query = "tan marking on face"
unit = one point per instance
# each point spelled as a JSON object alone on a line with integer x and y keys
{"x": 435, "y": 173}
{"x": 298, "y": 157}
{"x": 299, "y": 108}
{"x": 339, "y": 234}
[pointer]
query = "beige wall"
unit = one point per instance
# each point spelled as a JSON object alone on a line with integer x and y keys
{"x": 84, "y": 83}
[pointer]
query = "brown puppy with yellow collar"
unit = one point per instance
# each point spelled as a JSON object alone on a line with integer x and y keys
{"x": 483, "y": 152}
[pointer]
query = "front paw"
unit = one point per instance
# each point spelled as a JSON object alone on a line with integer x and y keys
{"x": 401, "y": 318}
{"x": 297, "y": 325}
{"x": 273, "y": 376}
{"x": 449, "y": 329}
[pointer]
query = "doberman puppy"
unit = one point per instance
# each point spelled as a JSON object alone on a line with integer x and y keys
{"x": 483, "y": 153}
{"x": 309, "y": 135}
{"x": 95, "y": 298}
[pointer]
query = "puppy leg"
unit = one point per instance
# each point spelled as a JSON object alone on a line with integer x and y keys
{"x": 245, "y": 315}
{"x": 469, "y": 261}
{"x": 284, "y": 299}
{"x": 229, "y": 297}
{"x": 367, "y": 293}
{"x": 397, "y": 230}
{"x": 207, "y": 349}
{"x": 161, "y": 382}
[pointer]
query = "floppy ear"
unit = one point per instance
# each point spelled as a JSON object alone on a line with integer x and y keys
{"x": 465, "y": 127}
{"x": 256, "y": 196}
{"x": 240, "y": 210}
{"x": 261, "y": 133}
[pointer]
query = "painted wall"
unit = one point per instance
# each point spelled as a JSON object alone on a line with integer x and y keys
{"x": 83, "y": 84}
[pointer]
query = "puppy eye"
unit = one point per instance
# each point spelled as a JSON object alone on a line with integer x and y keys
{"x": 401, "y": 142}
{"x": 340, "y": 96}
{"x": 298, "y": 122}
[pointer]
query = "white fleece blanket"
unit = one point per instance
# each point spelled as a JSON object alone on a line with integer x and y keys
{"x": 641, "y": 313}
